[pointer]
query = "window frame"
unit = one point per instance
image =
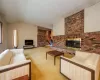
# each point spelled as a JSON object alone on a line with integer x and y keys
{"x": 1, "y": 32}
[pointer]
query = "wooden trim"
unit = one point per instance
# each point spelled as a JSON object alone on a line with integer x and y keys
{"x": 1, "y": 32}
{"x": 29, "y": 71}
{"x": 79, "y": 65}
{"x": 8, "y": 69}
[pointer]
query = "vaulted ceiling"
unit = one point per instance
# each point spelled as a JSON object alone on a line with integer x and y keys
{"x": 41, "y": 12}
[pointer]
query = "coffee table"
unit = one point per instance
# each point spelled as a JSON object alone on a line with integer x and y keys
{"x": 54, "y": 53}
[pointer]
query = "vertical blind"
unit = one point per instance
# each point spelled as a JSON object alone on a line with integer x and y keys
{"x": 0, "y": 32}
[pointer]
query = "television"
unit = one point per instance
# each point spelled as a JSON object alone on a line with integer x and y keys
{"x": 28, "y": 42}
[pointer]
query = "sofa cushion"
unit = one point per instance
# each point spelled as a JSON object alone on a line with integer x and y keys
{"x": 82, "y": 55}
{"x": 16, "y": 51}
{"x": 92, "y": 60}
{"x": 18, "y": 58}
{"x": 5, "y": 57}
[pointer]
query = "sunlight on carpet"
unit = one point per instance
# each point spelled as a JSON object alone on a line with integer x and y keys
{"x": 43, "y": 69}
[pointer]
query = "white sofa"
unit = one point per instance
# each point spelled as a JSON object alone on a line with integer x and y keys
{"x": 83, "y": 66}
{"x": 13, "y": 64}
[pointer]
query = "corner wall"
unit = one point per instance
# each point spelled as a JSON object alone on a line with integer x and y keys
{"x": 25, "y": 31}
{"x": 3, "y": 45}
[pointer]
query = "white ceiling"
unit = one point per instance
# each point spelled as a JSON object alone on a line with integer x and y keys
{"x": 41, "y": 12}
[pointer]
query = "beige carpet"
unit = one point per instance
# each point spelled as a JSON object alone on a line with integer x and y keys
{"x": 43, "y": 69}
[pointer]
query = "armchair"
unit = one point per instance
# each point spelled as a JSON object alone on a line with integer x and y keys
{"x": 83, "y": 66}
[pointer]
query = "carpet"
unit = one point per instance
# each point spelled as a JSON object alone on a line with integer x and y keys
{"x": 43, "y": 69}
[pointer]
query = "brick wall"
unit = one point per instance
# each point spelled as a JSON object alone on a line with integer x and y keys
{"x": 59, "y": 41}
{"x": 75, "y": 24}
{"x": 91, "y": 42}
{"x": 41, "y": 38}
{"x": 74, "y": 28}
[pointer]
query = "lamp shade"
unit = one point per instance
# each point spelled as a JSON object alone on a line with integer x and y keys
{"x": 15, "y": 39}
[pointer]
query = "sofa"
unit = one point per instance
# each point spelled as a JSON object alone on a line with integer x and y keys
{"x": 13, "y": 64}
{"x": 83, "y": 66}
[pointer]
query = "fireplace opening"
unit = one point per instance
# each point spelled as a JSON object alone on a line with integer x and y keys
{"x": 73, "y": 43}
{"x": 28, "y": 42}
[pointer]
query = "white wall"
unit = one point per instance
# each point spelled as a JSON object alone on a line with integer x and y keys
{"x": 25, "y": 31}
{"x": 59, "y": 28}
{"x": 3, "y": 45}
{"x": 92, "y": 18}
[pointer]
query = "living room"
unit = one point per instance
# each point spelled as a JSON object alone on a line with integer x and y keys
{"x": 61, "y": 42}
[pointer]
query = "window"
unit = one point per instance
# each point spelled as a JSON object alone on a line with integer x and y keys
{"x": 0, "y": 32}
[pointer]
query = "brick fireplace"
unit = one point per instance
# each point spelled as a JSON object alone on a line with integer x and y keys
{"x": 74, "y": 28}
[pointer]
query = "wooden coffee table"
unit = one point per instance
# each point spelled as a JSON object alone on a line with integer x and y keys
{"x": 54, "y": 53}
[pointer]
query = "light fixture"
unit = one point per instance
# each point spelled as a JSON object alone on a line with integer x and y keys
{"x": 15, "y": 39}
